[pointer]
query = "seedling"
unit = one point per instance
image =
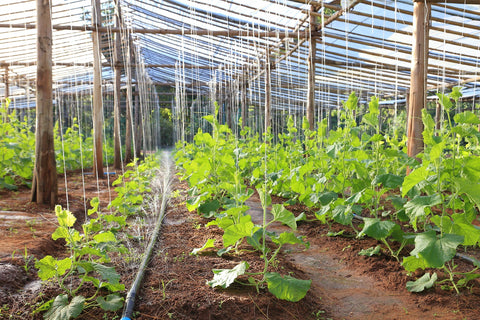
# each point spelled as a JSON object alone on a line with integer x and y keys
{"x": 87, "y": 255}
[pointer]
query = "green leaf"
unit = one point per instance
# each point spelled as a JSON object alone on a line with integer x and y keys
{"x": 437, "y": 151}
{"x": 472, "y": 190}
{"x": 225, "y": 277}
{"x": 60, "y": 233}
{"x": 105, "y": 237}
{"x": 222, "y": 222}
{"x": 265, "y": 198}
{"x": 415, "y": 177}
{"x": 415, "y": 208}
{"x": 233, "y": 233}
{"x": 322, "y": 214}
{"x": 459, "y": 226}
{"x": 335, "y": 234}
{"x": 370, "y": 252}
{"x": 388, "y": 180}
{"x": 255, "y": 239}
{"x": 445, "y": 101}
{"x": 466, "y": 117}
{"x": 436, "y": 250}
{"x": 112, "y": 302}
{"x": 376, "y": 138}
{"x": 355, "y": 198}
{"x": 287, "y": 288}
{"x": 351, "y": 102}
{"x": 210, "y": 243}
{"x": 65, "y": 218}
{"x": 288, "y": 237}
{"x": 107, "y": 273}
{"x": 471, "y": 168}
{"x": 222, "y": 251}
{"x": 456, "y": 93}
{"x": 324, "y": 197}
{"x": 422, "y": 283}
{"x": 378, "y": 229}
{"x": 95, "y": 202}
{"x": 49, "y": 267}
{"x": 342, "y": 214}
{"x": 62, "y": 310}
{"x": 284, "y": 216}
{"x": 413, "y": 263}
{"x": 208, "y": 208}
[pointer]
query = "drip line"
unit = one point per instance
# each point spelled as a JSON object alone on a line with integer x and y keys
{"x": 160, "y": 212}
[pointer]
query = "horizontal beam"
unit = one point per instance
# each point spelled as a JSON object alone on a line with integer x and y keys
{"x": 105, "y": 64}
{"x": 202, "y": 32}
{"x": 454, "y": 1}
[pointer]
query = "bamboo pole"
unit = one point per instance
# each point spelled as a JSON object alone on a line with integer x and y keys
{"x": 7, "y": 84}
{"x": 203, "y": 32}
{"x": 97, "y": 93}
{"x": 311, "y": 75}
{"x": 268, "y": 93}
{"x": 138, "y": 126}
{"x": 244, "y": 105}
{"x": 117, "y": 53}
{"x": 438, "y": 117}
{"x": 418, "y": 78}
{"x": 44, "y": 184}
{"x": 128, "y": 119}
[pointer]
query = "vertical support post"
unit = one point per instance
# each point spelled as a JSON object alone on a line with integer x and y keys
{"x": 128, "y": 114}
{"x": 311, "y": 74}
{"x": 244, "y": 105}
{"x": 438, "y": 117}
{"x": 329, "y": 120}
{"x": 228, "y": 106}
{"x": 380, "y": 119}
{"x": 97, "y": 92}
{"x": 220, "y": 101}
{"x": 7, "y": 83}
{"x": 418, "y": 78}
{"x": 117, "y": 56}
{"x": 268, "y": 91}
{"x": 138, "y": 124}
{"x": 44, "y": 184}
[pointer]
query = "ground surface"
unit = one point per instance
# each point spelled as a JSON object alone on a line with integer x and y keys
{"x": 345, "y": 285}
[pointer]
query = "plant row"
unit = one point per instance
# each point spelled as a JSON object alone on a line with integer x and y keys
{"x": 72, "y": 148}
{"x": 353, "y": 171}
{"x": 91, "y": 247}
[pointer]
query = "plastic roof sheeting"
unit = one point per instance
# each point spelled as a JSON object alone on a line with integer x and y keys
{"x": 366, "y": 49}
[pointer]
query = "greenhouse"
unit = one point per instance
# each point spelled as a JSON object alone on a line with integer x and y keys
{"x": 227, "y": 159}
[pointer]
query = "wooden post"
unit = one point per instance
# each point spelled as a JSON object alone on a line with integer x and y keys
{"x": 7, "y": 84}
{"x": 268, "y": 92}
{"x": 380, "y": 124}
{"x": 44, "y": 184}
{"x": 228, "y": 106}
{"x": 138, "y": 124}
{"x": 438, "y": 117}
{"x": 244, "y": 105}
{"x": 220, "y": 102}
{"x": 329, "y": 120}
{"x": 117, "y": 57}
{"x": 418, "y": 78}
{"x": 97, "y": 92}
{"x": 128, "y": 116}
{"x": 311, "y": 74}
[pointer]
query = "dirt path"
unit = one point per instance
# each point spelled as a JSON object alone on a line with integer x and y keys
{"x": 349, "y": 292}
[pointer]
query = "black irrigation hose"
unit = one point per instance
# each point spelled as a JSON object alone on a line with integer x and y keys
{"x": 130, "y": 299}
{"x": 461, "y": 256}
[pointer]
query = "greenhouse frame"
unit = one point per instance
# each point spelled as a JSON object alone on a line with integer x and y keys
{"x": 354, "y": 120}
